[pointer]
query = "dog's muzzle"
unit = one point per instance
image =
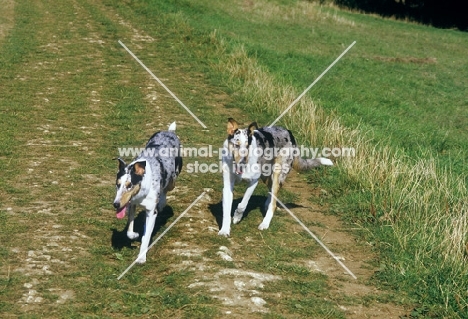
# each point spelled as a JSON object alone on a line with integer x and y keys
{"x": 122, "y": 201}
{"x": 239, "y": 167}
{"x": 121, "y": 211}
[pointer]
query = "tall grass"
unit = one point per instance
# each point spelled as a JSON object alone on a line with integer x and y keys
{"x": 419, "y": 210}
{"x": 299, "y": 11}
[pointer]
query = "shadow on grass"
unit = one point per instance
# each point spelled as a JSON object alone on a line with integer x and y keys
{"x": 120, "y": 240}
{"x": 255, "y": 202}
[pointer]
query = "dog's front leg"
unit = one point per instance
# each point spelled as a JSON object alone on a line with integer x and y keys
{"x": 227, "y": 204}
{"x": 131, "y": 218}
{"x": 149, "y": 226}
{"x": 245, "y": 200}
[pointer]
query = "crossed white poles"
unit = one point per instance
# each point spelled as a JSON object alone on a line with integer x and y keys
{"x": 162, "y": 234}
{"x": 310, "y": 86}
{"x": 204, "y": 126}
{"x": 316, "y": 238}
{"x": 162, "y": 84}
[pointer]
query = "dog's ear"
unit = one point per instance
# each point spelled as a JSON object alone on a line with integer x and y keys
{"x": 252, "y": 127}
{"x": 122, "y": 164}
{"x": 232, "y": 126}
{"x": 136, "y": 175}
{"x": 140, "y": 167}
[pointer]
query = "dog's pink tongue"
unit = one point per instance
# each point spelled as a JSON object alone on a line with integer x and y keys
{"x": 121, "y": 213}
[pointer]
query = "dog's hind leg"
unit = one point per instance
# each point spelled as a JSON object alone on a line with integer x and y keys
{"x": 131, "y": 218}
{"x": 271, "y": 200}
{"x": 245, "y": 200}
{"x": 161, "y": 201}
{"x": 149, "y": 226}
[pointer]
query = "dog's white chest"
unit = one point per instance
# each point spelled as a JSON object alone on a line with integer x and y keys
{"x": 147, "y": 195}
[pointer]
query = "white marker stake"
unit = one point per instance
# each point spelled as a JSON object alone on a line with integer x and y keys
{"x": 162, "y": 234}
{"x": 315, "y": 237}
{"x": 162, "y": 84}
{"x": 310, "y": 86}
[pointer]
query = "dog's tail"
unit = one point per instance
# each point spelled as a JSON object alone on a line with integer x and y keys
{"x": 172, "y": 127}
{"x": 300, "y": 164}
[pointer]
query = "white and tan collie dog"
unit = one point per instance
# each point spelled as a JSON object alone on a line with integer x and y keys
{"x": 145, "y": 182}
{"x": 253, "y": 153}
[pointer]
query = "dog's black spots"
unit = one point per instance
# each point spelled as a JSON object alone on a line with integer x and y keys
{"x": 236, "y": 134}
{"x": 259, "y": 139}
{"x": 269, "y": 139}
{"x": 291, "y": 137}
{"x": 163, "y": 144}
{"x": 122, "y": 164}
{"x": 178, "y": 165}
{"x": 171, "y": 138}
{"x": 163, "y": 173}
{"x": 252, "y": 127}
{"x": 135, "y": 178}
{"x": 152, "y": 136}
{"x": 231, "y": 136}
{"x": 265, "y": 137}
{"x": 120, "y": 173}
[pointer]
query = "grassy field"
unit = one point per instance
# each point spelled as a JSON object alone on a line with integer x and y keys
{"x": 71, "y": 96}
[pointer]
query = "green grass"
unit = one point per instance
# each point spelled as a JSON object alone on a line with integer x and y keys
{"x": 398, "y": 86}
{"x": 398, "y": 96}
{"x": 398, "y": 81}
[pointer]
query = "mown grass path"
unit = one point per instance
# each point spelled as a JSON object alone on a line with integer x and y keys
{"x": 71, "y": 96}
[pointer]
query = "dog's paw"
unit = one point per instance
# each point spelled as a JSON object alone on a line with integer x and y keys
{"x": 263, "y": 226}
{"x": 224, "y": 233}
{"x": 132, "y": 235}
{"x": 237, "y": 217}
{"x": 141, "y": 260}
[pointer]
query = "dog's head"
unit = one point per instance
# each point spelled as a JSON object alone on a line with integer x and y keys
{"x": 238, "y": 143}
{"x": 128, "y": 184}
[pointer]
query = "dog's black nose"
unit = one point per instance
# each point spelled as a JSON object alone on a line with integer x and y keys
{"x": 116, "y": 205}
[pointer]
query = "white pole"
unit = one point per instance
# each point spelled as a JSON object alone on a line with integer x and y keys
{"x": 162, "y": 234}
{"x": 310, "y": 86}
{"x": 162, "y": 84}
{"x": 315, "y": 237}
